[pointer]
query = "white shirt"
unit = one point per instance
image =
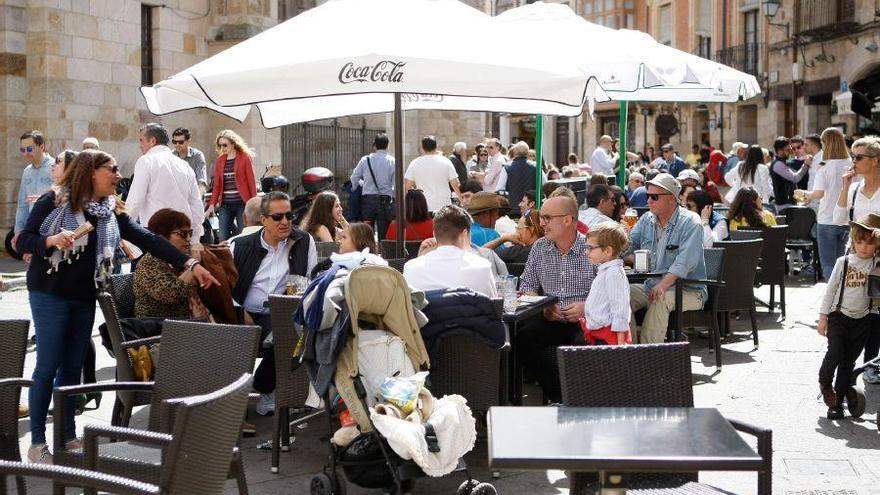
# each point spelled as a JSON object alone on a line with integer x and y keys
{"x": 592, "y": 216}
{"x": 601, "y": 162}
{"x": 450, "y": 266}
{"x": 162, "y": 180}
{"x": 271, "y": 276}
{"x": 712, "y": 234}
{"x": 492, "y": 180}
{"x": 432, "y": 173}
{"x": 608, "y": 300}
{"x": 829, "y": 178}
{"x": 762, "y": 183}
{"x": 863, "y": 205}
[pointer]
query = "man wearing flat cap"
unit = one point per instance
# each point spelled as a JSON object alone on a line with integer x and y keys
{"x": 674, "y": 237}
{"x": 485, "y": 208}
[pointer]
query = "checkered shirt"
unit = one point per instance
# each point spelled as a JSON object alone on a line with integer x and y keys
{"x": 567, "y": 276}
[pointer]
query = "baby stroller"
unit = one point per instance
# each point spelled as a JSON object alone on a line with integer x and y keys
{"x": 377, "y": 296}
{"x": 855, "y": 397}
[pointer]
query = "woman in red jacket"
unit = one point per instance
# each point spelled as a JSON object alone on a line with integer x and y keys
{"x": 234, "y": 182}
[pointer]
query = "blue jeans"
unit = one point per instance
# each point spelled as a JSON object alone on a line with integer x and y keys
{"x": 230, "y": 213}
{"x": 832, "y": 244}
{"x": 63, "y": 329}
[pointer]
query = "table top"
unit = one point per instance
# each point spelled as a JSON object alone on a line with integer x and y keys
{"x": 616, "y": 438}
{"x": 525, "y": 311}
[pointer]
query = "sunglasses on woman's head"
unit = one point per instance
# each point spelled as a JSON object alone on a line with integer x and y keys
{"x": 278, "y": 216}
{"x": 860, "y": 156}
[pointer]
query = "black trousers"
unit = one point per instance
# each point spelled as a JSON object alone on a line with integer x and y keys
{"x": 376, "y": 210}
{"x": 872, "y": 346}
{"x": 846, "y": 339}
{"x": 535, "y": 347}
{"x": 264, "y": 377}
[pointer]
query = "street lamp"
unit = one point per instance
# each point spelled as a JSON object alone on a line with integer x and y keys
{"x": 771, "y": 7}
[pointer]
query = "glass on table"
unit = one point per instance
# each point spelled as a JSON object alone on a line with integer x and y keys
{"x": 630, "y": 218}
{"x": 296, "y": 284}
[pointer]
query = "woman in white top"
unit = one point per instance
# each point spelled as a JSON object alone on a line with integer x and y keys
{"x": 831, "y": 235}
{"x": 750, "y": 172}
{"x": 860, "y": 198}
{"x": 714, "y": 223}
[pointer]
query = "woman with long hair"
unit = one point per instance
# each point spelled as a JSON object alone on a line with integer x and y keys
{"x": 528, "y": 231}
{"x": 831, "y": 235}
{"x": 234, "y": 182}
{"x": 748, "y": 210}
{"x": 69, "y": 263}
{"x": 714, "y": 224}
{"x": 419, "y": 223}
{"x": 324, "y": 219}
{"x": 750, "y": 172}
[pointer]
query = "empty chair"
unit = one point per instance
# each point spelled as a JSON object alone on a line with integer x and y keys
{"x": 708, "y": 316}
{"x": 122, "y": 292}
{"x": 773, "y": 260}
{"x": 800, "y": 221}
{"x": 738, "y": 275}
{"x": 646, "y": 375}
{"x": 13, "y": 347}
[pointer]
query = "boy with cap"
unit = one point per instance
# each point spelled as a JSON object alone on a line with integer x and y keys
{"x": 847, "y": 315}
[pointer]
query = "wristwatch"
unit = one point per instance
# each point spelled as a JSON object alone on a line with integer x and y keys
{"x": 191, "y": 263}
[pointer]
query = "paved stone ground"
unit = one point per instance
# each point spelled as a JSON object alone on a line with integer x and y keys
{"x": 774, "y": 385}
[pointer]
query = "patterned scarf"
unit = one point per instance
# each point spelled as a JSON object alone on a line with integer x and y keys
{"x": 64, "y": 218}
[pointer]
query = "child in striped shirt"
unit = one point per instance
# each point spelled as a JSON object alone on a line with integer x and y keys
{"x": 606, "y": 311}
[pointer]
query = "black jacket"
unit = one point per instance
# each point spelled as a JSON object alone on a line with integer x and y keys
{"x": 460, "y": 168}
{"x": 461, "y": 310}
{"x": 783, "y": 190}
{"x": 249, "y": 253}
{"x": 76, "y": 281}
{"x": 520, "y": 178}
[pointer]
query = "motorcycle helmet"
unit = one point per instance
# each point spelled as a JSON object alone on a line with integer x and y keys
{"x": 317, "y": 179}
{"x": 274, "y": 183}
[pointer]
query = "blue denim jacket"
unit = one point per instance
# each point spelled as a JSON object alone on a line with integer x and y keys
{"x": 34, "y": 182}
{"x": 683, "y": 254}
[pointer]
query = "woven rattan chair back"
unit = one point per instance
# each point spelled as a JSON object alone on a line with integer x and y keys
{"x": 13, "y": 347}
{"x": 326, "y": 248}
{"x": 397, "y": 263}
{"x": 800, "y": 220}
{"x": 738, "y": 292}
{"x": 647, "y": 375}
{"x": 292, "y": 385}
{"x": 124, "y": 371}
{"x": 206, "y": 429}
{"x": 389, "y": 249}
{"x": 40, "y": 476}
{"x": 744, "y": 235}
{"x": 122, "y": 292}
{"x": 714, "y": 258}
{"x": 199, "y": 358}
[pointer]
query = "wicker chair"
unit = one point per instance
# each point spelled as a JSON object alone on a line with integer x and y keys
{"x": 709, "y": 315}
{"x": 515, "y": 269}
{"x": 326, "y": 248}
{"x": 122, "y": 292}
{"x": 801, "y": 220}
{"x": 465, "y": 365}
{"x": 195, "y": 456}
{"x": 389, "y": 249}
{"x": 126, "y": 400}
{"x": 397, "y": 263}
{"x": 781, "y": 220}
{"x": 13, "y": 347}
{"x": 773, "y": 260}
{"x": 76, "y": 477}
{"x": 197, "y": 358}
{"x": 292, "y": 382}
{"x": 738, "y": 293}
{"x": 624, "y": 384}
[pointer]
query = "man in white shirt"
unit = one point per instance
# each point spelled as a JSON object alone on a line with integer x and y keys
{"x": 602, "y": 160}
{"x": 600, "y": 206}
{"x": 451, "y": 264}
{"x": 162, "y": 180}
{"x": 434, "y": 174}
{"x": 495, "y": 178}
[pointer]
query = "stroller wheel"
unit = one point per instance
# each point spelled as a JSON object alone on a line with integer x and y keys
{"x": 466, "y": 487}
{"x": 484, "y": 489}
{"x": 855, "y": 402}
{"x": 321, "y": 485}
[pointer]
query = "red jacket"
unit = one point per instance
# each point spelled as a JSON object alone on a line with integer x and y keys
{"x": 244, "y": 178}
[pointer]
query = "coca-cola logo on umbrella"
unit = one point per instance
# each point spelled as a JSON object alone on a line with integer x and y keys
{"x": 384, "y": 71}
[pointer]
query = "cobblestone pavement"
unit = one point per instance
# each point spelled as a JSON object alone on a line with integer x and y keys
{"x": 774, "y": 385}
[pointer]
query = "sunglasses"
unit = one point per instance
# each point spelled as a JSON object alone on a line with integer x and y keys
{"x": 28, "y": 149}
{"x": 112, "y": 168}
{"x": 184, "y": 233}
{"x": 278, "y": 216}
{"x": 656, "y": 196}
{"x": 859, "y": 157}
{"x": 178, "y": 142}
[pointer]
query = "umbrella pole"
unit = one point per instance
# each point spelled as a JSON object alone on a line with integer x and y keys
{"x": 624, "y": 116}
{"x": 399, "y": 193}
{"x": 539, "y": 142}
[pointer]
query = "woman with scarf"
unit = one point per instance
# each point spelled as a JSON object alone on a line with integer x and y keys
{"x": 65, "y": 272}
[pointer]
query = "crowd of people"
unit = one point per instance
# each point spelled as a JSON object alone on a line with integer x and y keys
{"x": 474, "y": 217}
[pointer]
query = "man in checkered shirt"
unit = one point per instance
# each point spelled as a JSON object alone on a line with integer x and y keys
{"x": 557, "y": 266}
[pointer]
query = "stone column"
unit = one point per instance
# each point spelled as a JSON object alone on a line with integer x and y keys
{"x": 504, "y": 128}
{"x": 13, "y": 98}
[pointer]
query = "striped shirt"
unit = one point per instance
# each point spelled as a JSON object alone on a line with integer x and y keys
{"x": 567, "y": 276}
{"x": 230, "y": 188}
{"x": 608, "y": 303}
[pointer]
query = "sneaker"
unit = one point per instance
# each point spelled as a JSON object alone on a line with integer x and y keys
{"x": 871, "y": 375}
{"x": 266, "y": 404}
{"x": 74, "y": 444}
{"x": 23, "y": 411}
{"x": 39, "y": 453}
{"x": 829, "y": 397}
{"x": 835, "y": 412}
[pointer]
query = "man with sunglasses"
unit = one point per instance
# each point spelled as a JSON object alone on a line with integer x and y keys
{"x": 264, "y": 260}
{"x": 36, "y": 178}
{"x": 195, "y": 158}
{"x": 674, "y": 237}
